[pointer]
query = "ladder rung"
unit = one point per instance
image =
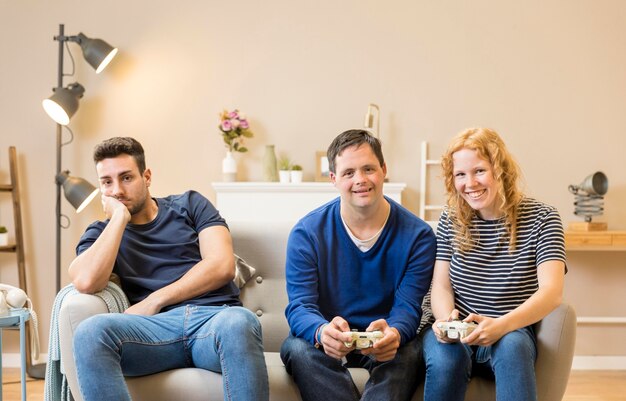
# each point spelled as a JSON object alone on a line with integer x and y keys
{"x": 6, "y": 188}
{"x": 433, "y": 207}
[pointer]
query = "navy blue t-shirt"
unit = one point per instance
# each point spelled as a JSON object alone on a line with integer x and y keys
{"x": 158, "y": 253}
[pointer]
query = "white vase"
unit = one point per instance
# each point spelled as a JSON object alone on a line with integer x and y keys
{"x": 283, "y": 176}
{"x": 296, "y": 176}
{"x": 4, "y": 239}
{"x": 229, "y": 167}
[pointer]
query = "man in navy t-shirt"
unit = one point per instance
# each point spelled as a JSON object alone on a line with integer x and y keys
{"x": 360, "y": 262}
{"x": 175, "y": 260}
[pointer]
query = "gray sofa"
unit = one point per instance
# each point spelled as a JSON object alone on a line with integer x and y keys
{"x": 263, "y": 246}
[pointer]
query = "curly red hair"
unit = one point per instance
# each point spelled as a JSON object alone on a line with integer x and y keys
{"x": 490, "y": 147}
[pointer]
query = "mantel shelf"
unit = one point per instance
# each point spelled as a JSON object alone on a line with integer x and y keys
{"x": 8, "y": 248}
{"x": 273, "y": 201}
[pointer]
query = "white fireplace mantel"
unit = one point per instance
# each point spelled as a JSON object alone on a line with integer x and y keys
{"x": 273, "y": 201}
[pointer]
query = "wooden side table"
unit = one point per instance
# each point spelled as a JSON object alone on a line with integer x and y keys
{"x": 595, "y": 240}
{"x": 16, "y": 318}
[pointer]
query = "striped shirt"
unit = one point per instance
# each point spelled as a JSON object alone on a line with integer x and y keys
{"x": 488, "y": 279}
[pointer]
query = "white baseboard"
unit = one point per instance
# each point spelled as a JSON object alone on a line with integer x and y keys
{"x": 599, "y": 363}
{"x": 12, "y": 360}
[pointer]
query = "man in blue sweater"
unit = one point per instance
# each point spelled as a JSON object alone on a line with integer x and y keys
{"x": 360, "y": 262}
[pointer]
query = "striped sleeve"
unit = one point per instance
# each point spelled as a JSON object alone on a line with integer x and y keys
{"x": 551, "y": 239}
{"x": 444, "y": 243}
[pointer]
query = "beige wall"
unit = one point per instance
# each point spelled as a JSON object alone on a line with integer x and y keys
{"x": 549, "y": 76}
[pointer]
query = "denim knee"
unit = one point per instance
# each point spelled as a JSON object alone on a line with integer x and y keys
{"x": 295, "y": 345}
{"x": 515, "y": 346}
{"x": 92, "y": 330}
{"x": 296, "y": 349}
{"x": 439, "y": 357}
{"x": 92, "y": 324}
{"x": 237, "y": 321}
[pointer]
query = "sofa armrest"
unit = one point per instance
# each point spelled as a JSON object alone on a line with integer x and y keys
{"x": 75, "y": 309}
{"x": 556, "y": 337}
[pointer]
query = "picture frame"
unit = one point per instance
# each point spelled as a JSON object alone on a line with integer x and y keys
{"x": 322, "y": 172}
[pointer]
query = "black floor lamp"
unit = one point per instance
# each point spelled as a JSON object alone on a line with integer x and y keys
{"x": 61, "y": 106}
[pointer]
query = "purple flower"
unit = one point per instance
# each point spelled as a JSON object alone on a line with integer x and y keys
{"x": 234, "y": 129}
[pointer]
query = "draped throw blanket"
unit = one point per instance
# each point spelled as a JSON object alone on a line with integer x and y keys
{"x": 56, "y": 388}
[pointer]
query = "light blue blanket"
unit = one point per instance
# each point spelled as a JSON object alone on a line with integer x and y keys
{"x": 56, "y": 388}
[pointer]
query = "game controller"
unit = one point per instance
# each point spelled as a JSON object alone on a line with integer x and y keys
{"x": 363, "y": 339}
{"x": 456, "y": 329}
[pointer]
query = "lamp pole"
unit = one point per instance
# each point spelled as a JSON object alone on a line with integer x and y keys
{"x": 60, "y": 107}
{"x": 60, "y": 38}
{"x": 38, "y": 371}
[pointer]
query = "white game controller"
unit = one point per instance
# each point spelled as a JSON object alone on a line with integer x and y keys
{"x": 363, "y": 339}
{"x": 456, "y": 329}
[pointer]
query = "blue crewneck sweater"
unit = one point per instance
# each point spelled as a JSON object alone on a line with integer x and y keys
{"x": 328, "y": 276}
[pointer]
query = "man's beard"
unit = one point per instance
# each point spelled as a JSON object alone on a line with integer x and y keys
{"x": 138, "y": 207}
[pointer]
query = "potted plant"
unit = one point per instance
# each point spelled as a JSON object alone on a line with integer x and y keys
{"x": 284, "y": 165}
{"x": 234, "y": 129}
{"x": 296, "y": 173}
{"x": 4, "y": 236}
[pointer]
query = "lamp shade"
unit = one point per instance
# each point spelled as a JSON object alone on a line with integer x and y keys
{"x": 62, "y": 105}
{"x": 77, "y": 190}
{"x": 97, "y": 52}
{"x": 595, "y": 184}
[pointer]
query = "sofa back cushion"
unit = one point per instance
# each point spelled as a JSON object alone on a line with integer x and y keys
{"x": 263, "y": 246}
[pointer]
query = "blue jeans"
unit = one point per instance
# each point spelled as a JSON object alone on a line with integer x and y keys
{"x": 320, "y": 377}
{"x": 221, "y": 339}
{"x": 511, "y": 361}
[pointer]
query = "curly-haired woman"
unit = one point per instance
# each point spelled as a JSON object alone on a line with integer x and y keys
{"x": 500, "y": 263}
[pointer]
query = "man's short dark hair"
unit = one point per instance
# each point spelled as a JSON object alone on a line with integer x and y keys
{"x": 353, "y": 137}
{"x": 114, "y": 147}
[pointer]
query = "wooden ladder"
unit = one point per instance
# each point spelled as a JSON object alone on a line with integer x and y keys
{"x": 425, "y": 163}
{"x": 37, "y": 371}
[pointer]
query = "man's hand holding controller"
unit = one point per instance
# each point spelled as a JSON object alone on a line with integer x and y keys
{"x": 385, "y": 348}
{"x": 337, "y": 339}
{"x": 332, "y": 337}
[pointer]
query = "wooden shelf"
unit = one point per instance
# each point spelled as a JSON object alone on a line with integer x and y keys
{"x": 595, "y": 241}
{"x": 8, "y": 248}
